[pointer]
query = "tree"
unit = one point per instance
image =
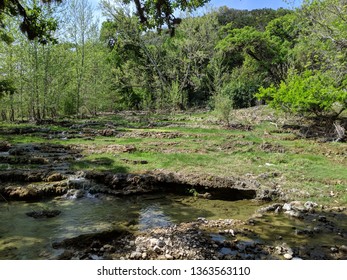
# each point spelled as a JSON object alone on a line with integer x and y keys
{"x": 32, "y": 23}
{"x": 157, "y": 13}
{"x": 317, "y": 82}
{"x": 306, "y": 93}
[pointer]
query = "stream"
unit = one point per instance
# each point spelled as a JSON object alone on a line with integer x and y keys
{"x": 23, "y": 237}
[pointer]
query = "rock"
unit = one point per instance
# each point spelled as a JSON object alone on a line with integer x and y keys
{"x": 309, "y": 205}
{"x": 157, "y": 249}
{"x": 293, "y": 213}
{"x": 337, "y": 209}
{"x": 287, "y": 207}
{"x": 55, "y": 177}
{"x": 135, "y": 255}
{"x": 43, "y": 214}
{"x": 205, "y": 195}
{"x": 273, "y": 207}
{"x": 322, "y": 219}
{"x": 66, "y": 255}
{"x": 287, "y": 256}
{"x": 108, "y": 248}
{"x": 343, "y": 248}
{"x": 334, "y": 250}
{"x": 153, "y": 242}
{"x": 4, "y": 146}
{"x": 202, "y": 220}
{"x": 74, "y": 194}
{"x": 161, "y": 243}
{"x": 22, "y": 149}
{"x": 168, "y": 257}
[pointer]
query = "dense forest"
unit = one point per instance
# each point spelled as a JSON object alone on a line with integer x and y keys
{"x": 295, "y": 60}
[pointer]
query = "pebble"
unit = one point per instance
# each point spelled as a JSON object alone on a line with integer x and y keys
{"x": 287, "y": 207}
{"x": 334, "y": 250}
{"x": 288, "y": 256}
{"x": 293, "y": 213}
{"x": 135, "y": 255}
{"x": 343, "y": 248}
{"x": 157, "y": 249}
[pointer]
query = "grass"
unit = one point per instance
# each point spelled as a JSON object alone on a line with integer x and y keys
{"x": 199, "y": 144}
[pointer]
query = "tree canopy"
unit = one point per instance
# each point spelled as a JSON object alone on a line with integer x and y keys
{"x": 32, "y": 23}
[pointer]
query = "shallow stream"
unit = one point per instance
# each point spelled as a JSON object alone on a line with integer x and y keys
{"x": 23, "y": 237}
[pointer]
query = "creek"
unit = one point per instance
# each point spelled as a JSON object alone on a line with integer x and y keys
{"x": 23, "y": 237}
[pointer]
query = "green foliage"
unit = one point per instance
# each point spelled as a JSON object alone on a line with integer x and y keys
{"x": 177, "y": 97}
{"x": 7, "y": 86}
{"x": 33, "y": 22}
{"x": 223, "y": 106}
{"x": 243, "y": 85}
{"x": 309, "y": 92}
{"x": 258, "y": 18}
{"x": 156, "y": 13}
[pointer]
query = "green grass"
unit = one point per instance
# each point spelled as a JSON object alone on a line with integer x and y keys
{"x": 202, "y": 146}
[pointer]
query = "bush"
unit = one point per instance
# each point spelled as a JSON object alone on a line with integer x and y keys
{"x": 310, "y": 92}
{"x": 223, "y": 106}
{"x": 242, "y": 87}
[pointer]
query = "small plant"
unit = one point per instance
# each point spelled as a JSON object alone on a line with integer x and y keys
{"x": 223, "y": 106}
{"x": 193, "y": 192}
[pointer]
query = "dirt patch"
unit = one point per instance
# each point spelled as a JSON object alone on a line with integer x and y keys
{"x": 237, "y": 145}
{"x": 322, "y": 130}
{"x": 239, "y": 126}
{"x": 151, "y": 134}
{"x": 107, "y": 149}
{"x": 271, "y": 148}
{"x": 135, "y": 162}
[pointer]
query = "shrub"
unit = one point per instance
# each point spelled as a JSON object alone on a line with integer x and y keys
{"x": 310, "y": 92}
{"x": 223, "y": 106}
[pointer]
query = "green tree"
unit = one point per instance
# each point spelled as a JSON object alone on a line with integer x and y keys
{"x": 309, "y": 92}
{"x": 156, "y": 13}
{"x": 317, "y": 81}
{"x": 32, "y": 22}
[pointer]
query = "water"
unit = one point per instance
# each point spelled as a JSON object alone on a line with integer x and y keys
{"x": 22, "y": 237}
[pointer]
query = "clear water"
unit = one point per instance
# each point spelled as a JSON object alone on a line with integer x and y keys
{"x": 23, "y": 237}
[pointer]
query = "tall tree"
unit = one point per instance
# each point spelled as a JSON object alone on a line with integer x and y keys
{"x": 80, "y": 26}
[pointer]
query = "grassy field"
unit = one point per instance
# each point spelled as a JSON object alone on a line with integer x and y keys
{"x": 254, "y": 145}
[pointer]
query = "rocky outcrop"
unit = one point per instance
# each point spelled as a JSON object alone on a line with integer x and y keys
{"x": 217, "y": 187}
